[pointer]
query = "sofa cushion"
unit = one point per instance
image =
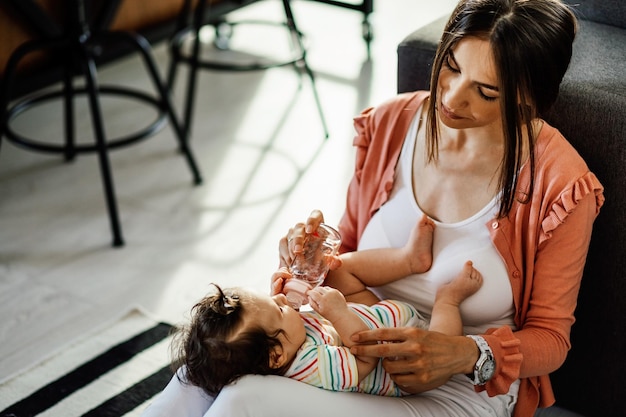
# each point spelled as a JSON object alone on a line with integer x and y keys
{"x": 609, "y": 12}
{"x": 416, "y": 54}
{"x": 591, "y": 112}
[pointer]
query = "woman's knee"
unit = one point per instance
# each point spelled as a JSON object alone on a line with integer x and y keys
{"x": 248, "y": 396}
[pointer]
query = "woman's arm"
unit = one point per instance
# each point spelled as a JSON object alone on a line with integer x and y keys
{"x": 546, "y": 288}
{"x": 418, "y": 360}
{"x": 556, "y": 277}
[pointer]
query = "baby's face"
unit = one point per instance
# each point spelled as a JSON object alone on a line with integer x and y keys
{"x": 275, "y": 314}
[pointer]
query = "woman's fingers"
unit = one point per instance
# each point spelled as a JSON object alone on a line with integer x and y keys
{"x": 381, "y": 343}
{"x": 385, "y": 334}
{"x": 414, "y": 360}
{"x": 293, "y": 243}
{"x": 315, "y": 219}
{"x": 295, "y": 239}
{"x": 284, "y": 252}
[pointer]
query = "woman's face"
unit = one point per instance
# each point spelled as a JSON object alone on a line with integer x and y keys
{"x": 467, "y": 89}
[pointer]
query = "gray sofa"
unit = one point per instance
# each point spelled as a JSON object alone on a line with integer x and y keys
{"x": 591, "y": 113}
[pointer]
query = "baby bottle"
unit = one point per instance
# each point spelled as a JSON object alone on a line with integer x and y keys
{"x": 310, "y": 267}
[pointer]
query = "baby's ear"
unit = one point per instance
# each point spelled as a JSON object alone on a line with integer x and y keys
{"x": 277, "y": 358}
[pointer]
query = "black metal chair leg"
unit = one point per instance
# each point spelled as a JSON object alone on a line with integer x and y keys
{"x": 196, "y": 62}
{"x": 181, "y": 133}
{"x": 79, "y": 47}
{"x": 317, "y": 99}
{"x": 103, "y": 156}
{"x": 68, "y": 108}
{"x": 291, "y": 23}
{"x": 192, "y": 75}
{"x": 173, "y": 66}
{"x": 174, "y": 47}
{"x": 70, "y": 151}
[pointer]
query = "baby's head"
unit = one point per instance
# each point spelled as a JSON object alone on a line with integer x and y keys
{"x": 236, "y": 332}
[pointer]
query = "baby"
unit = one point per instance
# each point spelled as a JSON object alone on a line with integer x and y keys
{"x": 236, "y": 331}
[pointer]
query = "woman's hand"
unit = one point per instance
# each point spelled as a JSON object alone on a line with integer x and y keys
{"x": 417, "y": 360}
{"x": 293, "y": 242}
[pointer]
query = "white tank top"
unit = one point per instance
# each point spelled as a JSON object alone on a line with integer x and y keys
{"x": 453, "y": 245}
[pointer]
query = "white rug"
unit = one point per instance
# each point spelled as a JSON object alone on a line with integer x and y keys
{"x": 115, "y": 371}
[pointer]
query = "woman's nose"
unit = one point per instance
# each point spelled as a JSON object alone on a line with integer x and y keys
{"x": 454, "y": 96}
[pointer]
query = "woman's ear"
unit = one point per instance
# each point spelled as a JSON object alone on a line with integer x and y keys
{"x": 277, "y": 358}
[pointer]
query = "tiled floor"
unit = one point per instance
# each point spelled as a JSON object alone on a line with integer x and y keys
{"x": 260, "y": 146}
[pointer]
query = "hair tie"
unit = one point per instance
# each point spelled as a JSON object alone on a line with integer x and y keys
{"x": 227, "y": 302}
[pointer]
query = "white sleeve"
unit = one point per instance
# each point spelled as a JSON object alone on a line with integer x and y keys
{"x": 278, "y": 396}
{"x": 179, "y": 399}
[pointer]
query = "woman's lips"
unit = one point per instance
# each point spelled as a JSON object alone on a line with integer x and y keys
{"x": 449, "y": 114}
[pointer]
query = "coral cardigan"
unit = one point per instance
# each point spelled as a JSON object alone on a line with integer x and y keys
{"x": 543, "y": 242}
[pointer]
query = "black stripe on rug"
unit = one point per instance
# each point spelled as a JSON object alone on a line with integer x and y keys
{"x": 134, "y": 396}
{"x": 83, "y": 375}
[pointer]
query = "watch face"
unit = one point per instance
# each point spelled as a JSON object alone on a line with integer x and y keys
{"x": 487, "y": 370}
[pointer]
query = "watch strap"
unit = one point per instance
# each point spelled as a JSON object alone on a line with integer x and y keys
{"x": 485, "y": 355}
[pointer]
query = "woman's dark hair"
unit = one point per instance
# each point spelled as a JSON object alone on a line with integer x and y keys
{"x": 212, "y": 358}
{"x": 531, "y": 42}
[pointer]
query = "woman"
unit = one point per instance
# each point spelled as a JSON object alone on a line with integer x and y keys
{"x": 505, "y": 190}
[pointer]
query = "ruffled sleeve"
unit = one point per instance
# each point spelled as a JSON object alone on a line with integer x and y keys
{"x": 567, "y": 202}
{"x": 380, "y": 133}
{"x": 362, "y": 139}
{"x": 348, "y": 226}
{"x": 506, "y": 350}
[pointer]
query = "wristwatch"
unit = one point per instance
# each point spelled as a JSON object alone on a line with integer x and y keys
{"x": 485, "y": 365}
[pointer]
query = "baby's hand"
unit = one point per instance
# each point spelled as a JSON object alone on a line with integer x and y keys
{"x": 333, "y": 262}
{"x": 327, "y": 301}
{"x": 279, "y": 278}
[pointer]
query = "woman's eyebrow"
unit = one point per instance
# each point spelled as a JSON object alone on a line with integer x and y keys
{"x": 485, "y": 85}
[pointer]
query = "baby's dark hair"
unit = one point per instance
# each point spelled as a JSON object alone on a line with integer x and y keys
{"x": 213, "y": 358}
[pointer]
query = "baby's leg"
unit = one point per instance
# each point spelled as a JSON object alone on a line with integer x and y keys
{"x": 420, "y": 245}
{"x": 446, "y": 317}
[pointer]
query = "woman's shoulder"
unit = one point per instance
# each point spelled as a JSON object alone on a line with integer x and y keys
{"x": 399, "y": 104}
{"x": 403, "y": 104}
{"x": 389, "y": 120}
{"x": 413, "y": 99}
{"x": 564, "y": 175}
{"x": 555, "y": 153}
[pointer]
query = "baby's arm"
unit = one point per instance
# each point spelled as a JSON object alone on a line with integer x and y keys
{"x": 331, "y": 304}
{"x": 375, "y": 267}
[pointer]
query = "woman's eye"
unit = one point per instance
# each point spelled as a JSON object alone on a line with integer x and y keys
{"x": 450, "y": 64}
{"x": 486, "y": 97}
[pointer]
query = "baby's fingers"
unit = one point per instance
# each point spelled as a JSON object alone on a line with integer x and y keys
{"x": 278, "y": 280}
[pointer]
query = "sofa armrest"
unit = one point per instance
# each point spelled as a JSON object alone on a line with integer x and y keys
{"x": 415, "y": 56}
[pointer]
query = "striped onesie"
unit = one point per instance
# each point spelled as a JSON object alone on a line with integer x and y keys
{"x": 323, "y": 360}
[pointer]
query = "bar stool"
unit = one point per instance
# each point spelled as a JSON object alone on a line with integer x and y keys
{"x": 224, "y": 28}
{"x": 79, "y": 45}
